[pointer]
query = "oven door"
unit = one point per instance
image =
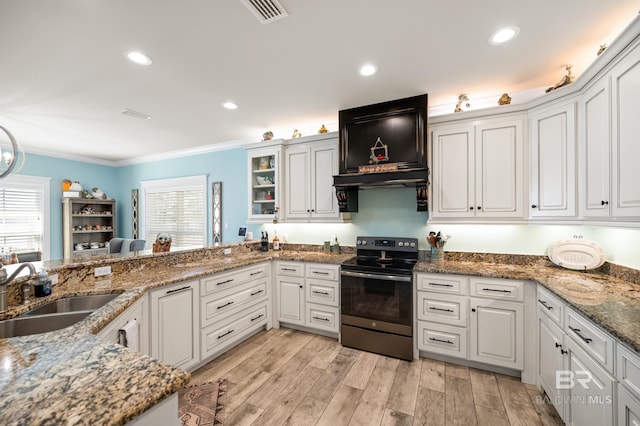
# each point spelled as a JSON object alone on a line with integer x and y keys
{"x": 377, "y": 301}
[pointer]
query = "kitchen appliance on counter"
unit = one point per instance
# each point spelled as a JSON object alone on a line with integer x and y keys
{"x": 376, "y": 293}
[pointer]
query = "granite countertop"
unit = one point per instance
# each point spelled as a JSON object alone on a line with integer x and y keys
{"x": 612, "y": 303}
{"x": 72, "y": 377}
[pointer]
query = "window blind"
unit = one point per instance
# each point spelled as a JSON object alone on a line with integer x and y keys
{"x": 21, "y": 218}
{"x": 176, "y": 206}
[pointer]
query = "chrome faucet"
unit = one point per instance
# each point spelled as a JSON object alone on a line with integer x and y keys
{"x": 4, "y": 302}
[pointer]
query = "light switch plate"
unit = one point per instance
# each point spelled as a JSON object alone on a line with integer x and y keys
{"x": 102, "y": 271}
{"x": 227, "y": 251}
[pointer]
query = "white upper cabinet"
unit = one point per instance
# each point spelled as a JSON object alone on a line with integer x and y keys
{"x": 478, "y": 169}
{"x": 625, "y": 150}
{"x": 553, "y": 161}
{"x": 594, "y": 135}
{"x": 309, "y": 165}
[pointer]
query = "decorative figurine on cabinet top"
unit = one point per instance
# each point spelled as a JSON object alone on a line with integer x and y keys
{"x": 567, "y": 79}
{"x": 323, "y": 130}
{"x": 505, "y": 99}
{"x": 296, "y": 134}
{"x": 462, "y": 98}
{"x": 267, "y": 136}
{"x": 163, "y": 243}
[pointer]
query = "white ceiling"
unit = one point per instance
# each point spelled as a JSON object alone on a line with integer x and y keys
{"x": 64, "y": 78}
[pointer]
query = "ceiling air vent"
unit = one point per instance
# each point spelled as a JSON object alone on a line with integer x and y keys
{"x": 265, "y": 11}
{"x": 135, "y": 114}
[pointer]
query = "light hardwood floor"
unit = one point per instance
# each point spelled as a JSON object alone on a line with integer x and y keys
{"x": 288, "y": 377}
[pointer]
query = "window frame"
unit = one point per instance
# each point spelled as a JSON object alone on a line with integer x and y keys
{"x": 41, "y": 183}
{"x": 170, "y": 185}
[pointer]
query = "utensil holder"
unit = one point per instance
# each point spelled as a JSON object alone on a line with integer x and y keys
{"x": 437, "y": 254}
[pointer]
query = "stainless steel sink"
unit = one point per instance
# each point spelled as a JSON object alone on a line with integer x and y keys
{"x": 24, "y": 326}
{"x": 72, "y": 304}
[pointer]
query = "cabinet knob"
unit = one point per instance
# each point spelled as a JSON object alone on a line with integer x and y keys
{"x": 470, "y": 207}
{"x": 313, "y": 210}
{"x": 558, "y": 345}
{"x": 473, "y": 309}
{"x": 562, "y": 352}
{"x": 533, "y": 206}
{"x": 479, "y": 207}
{"x": 300, "y": 286}
{"x": 603, "y": 203}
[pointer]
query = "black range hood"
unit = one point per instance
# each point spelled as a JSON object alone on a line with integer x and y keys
{"x": 383, "y": 145}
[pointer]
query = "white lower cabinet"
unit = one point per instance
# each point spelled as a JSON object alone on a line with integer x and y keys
{"x": 175, "y": 325}
{"x": 591, "y": 389}
{"x": 308, "y": 295}
{"x": 575, "y": 364}
{"x": 137, "y": 312}
{"x": 628, "y": 408}
{"x": 487, "y": 327}
{"x": 233, "y": 306}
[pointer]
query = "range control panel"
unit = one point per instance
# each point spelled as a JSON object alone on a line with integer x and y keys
{"x": 388, "y": 244}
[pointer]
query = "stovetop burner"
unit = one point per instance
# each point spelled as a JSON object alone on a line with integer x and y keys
{"x": 389, "y": 255}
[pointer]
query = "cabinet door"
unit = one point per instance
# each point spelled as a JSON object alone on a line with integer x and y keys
{"x": 137, "y": 311}
{"x": 626, "y": 128}
{"x": 454, "y": 172}
{"x": 324, "y": 164}
{"x": 628, "y": 408}
{"x": 290, "y": 299}
{"x": 553, "y": 162}
{"x": 499, "y": 169}
{"x": 595, "y": 141}
{"x": 590, "y": 389}
{"x": 551, "y": 359}
{"x": 496, "y": 333}
{"x": 264, "y": 183}
{"x": 298, "y": 185}
{"x": 174, "y": 325}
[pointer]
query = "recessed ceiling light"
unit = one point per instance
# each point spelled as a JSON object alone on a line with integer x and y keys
{"x": 503, "y": 35}
{"x": 230, "y": 105}
{"x": 368, "y": 69}
{"x": 138, "y": 57}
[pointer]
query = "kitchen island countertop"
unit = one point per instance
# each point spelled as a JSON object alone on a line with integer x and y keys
{"x": 71, "y": 377}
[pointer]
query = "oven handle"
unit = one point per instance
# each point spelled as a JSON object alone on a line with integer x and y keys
{"x": 376, "y": 276}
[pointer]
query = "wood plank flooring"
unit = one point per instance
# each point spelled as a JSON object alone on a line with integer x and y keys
{"x": 289, "y": 377}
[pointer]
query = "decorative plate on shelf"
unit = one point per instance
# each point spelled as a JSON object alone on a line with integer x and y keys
{"x": 577, "y": 254}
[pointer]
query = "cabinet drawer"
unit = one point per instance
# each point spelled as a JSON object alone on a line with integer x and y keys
{"x": 589, "y": 337}
{"x": 292, "y": 269}
{"x": 322, "y": 292}
{"x": 220, "y": 305}
{"x": 551, "y": 306}
{"x": 443, "y": 283}
{"x": 442, "y": 308}
{"x": 442, "y": 339}
{"x": 495, "y": 288}
{"x": 225, "y": 280}
{"x": 323, "y": 272}
{"x": 628, "y": 369}
{"x": 218, "y": 336}
{"x": 322, "y": 317}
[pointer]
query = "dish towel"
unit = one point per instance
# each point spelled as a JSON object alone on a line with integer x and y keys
{"x": 128, "y": 335}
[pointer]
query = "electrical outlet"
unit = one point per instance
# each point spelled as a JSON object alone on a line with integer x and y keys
{"x": 102, "y": 271}
{"x": 54, "y": 279}
{"x": 227, "y": 251}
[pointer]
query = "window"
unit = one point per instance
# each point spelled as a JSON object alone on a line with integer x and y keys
{"x": 177, "y": 206}
{"x": 24, "y": 215}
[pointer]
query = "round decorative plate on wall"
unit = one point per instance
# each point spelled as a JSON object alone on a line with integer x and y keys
{"x": 577, "y": 254}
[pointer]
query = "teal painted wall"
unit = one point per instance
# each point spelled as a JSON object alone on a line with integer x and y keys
{"x": 228, "y": 167}
{"x": 89, "y": 176}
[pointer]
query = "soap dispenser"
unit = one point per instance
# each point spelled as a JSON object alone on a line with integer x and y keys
{"x": 43, "y": 286}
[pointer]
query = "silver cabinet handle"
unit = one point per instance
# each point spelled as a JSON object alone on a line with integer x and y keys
{"x": 321, "y": 319}
{"x": 376, "y": 276}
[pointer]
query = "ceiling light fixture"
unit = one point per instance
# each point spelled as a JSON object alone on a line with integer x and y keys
{"x": 503, "y": 35}
{"x": 135, "y": 114}
{"x": 138, "y": 57}
{"x": 10, "y": 151}
{"x": 368, "y": 69}
{"x": 230, "y": 105}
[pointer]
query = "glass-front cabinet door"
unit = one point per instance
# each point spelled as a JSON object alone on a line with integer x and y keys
{"x": 264, "y": 183}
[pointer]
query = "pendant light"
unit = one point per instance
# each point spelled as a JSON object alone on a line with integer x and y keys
{"x": 10, "y": 150}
